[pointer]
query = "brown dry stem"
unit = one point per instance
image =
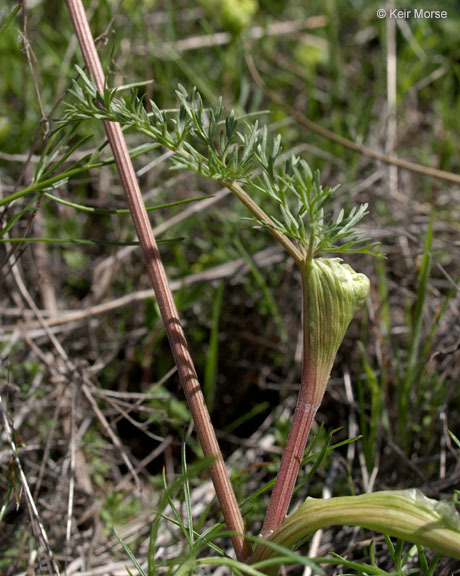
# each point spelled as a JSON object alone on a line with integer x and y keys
{"x": 159, "y": 281}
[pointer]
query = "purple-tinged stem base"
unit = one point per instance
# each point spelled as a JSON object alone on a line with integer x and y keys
{"x": 290, "y": 463}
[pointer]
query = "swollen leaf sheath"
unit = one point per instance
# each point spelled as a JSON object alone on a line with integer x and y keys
{"x": 332, "y": 294}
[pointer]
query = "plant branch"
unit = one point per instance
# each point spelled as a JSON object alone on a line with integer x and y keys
{"x": 261, "y": 216}
{"x": 157, "y": 275}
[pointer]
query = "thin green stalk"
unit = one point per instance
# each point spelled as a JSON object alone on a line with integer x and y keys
{"x": 46, "y": 184}
{"x": 55, "y": 181}
{"x": 121, "y": 211}
{"x": 168, "y": 310}
{"x": 409, "y": 381}
{"x": 264, "y": 218}
{"x": 268, "y": 296}
{"x": 212, "y": 357}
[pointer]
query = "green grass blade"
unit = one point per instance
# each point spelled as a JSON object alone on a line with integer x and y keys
{"x": 420, "y": 302}
{"x": 409, "y": 379}
{"x": 187, "y": 496}
{"x": 62, "y": 178}
{"x": 432, "y": 566}
{"x": 260, "y": 281}
{"x": 12, "y": 221}
{"x": 151, "y": 564}
{"x": 360, "y": 567}
{"x": 370, "y": 426}
{"x": 129, "y": 552}
{"x": 422, "y": 560}
{"x": 384, "y": 302}
{"x": 197, "y": 535}
{"x": 257, "y": 409}
{"x": 11, "y": 16}
{"x": 454, "y": 438}
{"x": 439, "y": 316}
{"x": 175, "y": 511}
{"x": 212, "y": 361}
{"x": 62, "y": 159}
{"x": 390, "y": 545}
{"x": 317, "y": 462}
{"x": 108, "y": 211}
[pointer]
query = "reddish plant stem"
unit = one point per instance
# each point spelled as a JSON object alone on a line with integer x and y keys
{"x": 159, "y": 281}
{"x": 289, "y": 468}
{"x": 307, "y": 405}
{"x": 305, "y": 412}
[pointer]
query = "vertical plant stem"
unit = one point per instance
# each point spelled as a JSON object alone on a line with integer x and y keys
{"x": 305, "y": 412}
{"x": 332, "y": 293}
{"x": 290, "y": 463}
{"x": 307, "y": 403}
{"x": 169, "y": 314}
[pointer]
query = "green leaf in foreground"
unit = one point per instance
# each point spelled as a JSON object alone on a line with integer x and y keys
{"x": 405, "y": 514}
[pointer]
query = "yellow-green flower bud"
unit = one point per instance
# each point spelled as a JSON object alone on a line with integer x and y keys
{"x": 333, "y": 292}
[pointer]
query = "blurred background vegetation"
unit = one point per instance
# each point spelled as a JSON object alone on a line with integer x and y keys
{"x": 102, "y": 416}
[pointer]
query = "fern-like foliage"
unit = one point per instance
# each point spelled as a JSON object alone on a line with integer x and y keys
{"x": 231, "y": 151}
